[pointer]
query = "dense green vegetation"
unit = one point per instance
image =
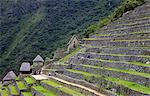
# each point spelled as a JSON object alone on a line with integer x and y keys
{"x": 124, "y": 7}
{"x": 31, "y": 27}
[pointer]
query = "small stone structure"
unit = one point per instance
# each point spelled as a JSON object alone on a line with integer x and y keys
{"x": 38, "y": 63}
{"x": 9, "y": 78}
{"x": 25, "y": 68}
{"x": 73, "y": 43}
{"x": 59, "y": 53}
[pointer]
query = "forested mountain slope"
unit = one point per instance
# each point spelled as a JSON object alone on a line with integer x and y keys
{"x": 31, "y": 27}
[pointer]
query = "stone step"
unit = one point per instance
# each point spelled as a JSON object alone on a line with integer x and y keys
{"x": 62, "y": 89}
{"x": 133, "y": 76}
{"x": 136, "y": 66}
{"x": 119, "y": 50}
{"x": 125, "y": 30}
{"x": 115, "y": 57}
{"x": 131, "y": 36}
{"x": 13, "y": 90}
{"x": 127, "y": 25}
{"x": 41, "y": 91}
{"x": 107, "y": 82}
{"x": 118, "y": 43}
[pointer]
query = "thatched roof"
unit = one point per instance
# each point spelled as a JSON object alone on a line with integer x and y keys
{"x": 38, "y": 58}
{"x": 74, "y": 36}
{"x": 10, "y": 76}
{"x": 25, "y": 66}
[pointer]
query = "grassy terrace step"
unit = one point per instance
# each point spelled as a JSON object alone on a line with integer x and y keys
{"x": 119, "y": 51}
{"x": 118, "y": 40}
{"x": 146, "y": 75}
{"x": 128, "y": 84}
{"x": 29, "y": 80}
{"x": 114, "y": 47}
{"x": 21, "y": 85}
{"x": 65, "y": 59}
{"x": 4, "y": 92}
{"x": 114, "y": 61}
{"x": 63, "y": 88}
{"x": 124, "y": 26}
{"x": 26, "y": 93}
{"x": 44, "y": 91}
{"x": 140, "y": 35}
{"x": 135, "y": 66}
{"x": 127, "y": 21}
{"x": 124, "y": 30}
{"x": 118, "y": 55}
{"x": 133, "y": 33}
{"x": 13, "y": 90}
{"x": 117, "y": 43}
{"x": 116, "y": 29}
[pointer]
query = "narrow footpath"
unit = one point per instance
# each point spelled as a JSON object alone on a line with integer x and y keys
{"x": 74, "y": 84}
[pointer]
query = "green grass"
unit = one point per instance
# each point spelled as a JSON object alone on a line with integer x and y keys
{"x": 44, "y": 91}
{"x": 18, "y": 78}
{"x": 65, "y": 59}
{"x": 4, "y": 92}
{"x": 115, "y": 61}
{"x": 13, "y": 90}
{"x": 29, "y": 80}
{"x": 21, "y": 85}
{"x": 63, "y": 88}
{"x": 128, "y": 84}
{"x": 27, "y": 93}
{"x": 139, "y": 64}
{"x": 120, "y": 70}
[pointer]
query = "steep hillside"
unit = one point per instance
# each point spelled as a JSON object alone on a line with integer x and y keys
{"x": 115, "y": 60}
{"x": 31, "y": 27}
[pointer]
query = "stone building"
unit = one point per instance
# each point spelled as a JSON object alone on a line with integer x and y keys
{"x": 9, "y": 78}
{"x": 59, "y": 53}
{"x": 25, "y": 68}
{"x": 38, "y": 63}
{"x": 73, "y": 43}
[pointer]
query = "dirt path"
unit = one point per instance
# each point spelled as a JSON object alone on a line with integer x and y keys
{"x": 74, "y": 84}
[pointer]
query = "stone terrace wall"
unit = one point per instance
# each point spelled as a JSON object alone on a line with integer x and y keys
{"x": 119, "y": 65}
{"x": 116, "y": 58}
{"x": 124, "y": 76}
{"x": 108, "y": 85}
{"x": 126, "y": 51}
